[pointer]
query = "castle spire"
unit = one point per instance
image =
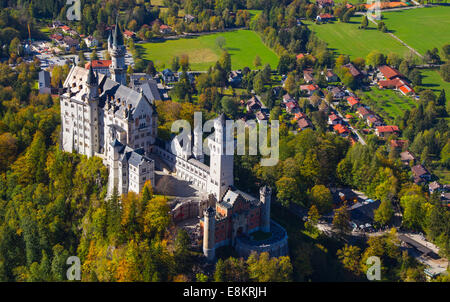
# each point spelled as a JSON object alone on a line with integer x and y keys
{"x": 91, "y": 79}
{"x": 118, "y": 37}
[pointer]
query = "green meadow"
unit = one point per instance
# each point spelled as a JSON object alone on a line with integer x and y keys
{"x": 243, "y": 46}
{"x": 421, "y": 28}
{"x": 346, "y": 38}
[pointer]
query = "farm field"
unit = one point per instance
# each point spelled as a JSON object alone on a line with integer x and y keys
{"x": 346, "y": 38}
{"x": 243, "y": 46}
{"x": 431, "y": 79}
{"x": 421, "y": 28}
{"x": 391, "y": 102}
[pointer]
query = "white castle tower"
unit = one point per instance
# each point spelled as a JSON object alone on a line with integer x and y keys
{"x": 221, "y": 164}
{"x": 117, "y": 52}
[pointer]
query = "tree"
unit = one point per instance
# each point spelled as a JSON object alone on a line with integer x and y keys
{"x": 151, "y": 70}
{"x": 175, "y": 64}
{"x": 287, "y": 190}
{"x": 413, "y": 211}
{"x": 225, "y": 62}
{"x": 446, "y": 51}
{"x": 290, "y": 85}
{"x": 221, "y": 41}
{"x": 257, "y": 61}
{"x": 320, "y": 196}
{"x": 230, "y": 106}
{"x": 341, "y": 220}
{"x": 445, "y": 71}
{"x": 262, "y": 268}
{"x": 384, "y": 213}
{"x": 184, "y": 62}
{"x": 350, "y": 257}
{"x": 364, "y": 22}
{"x": 375, "y": 58}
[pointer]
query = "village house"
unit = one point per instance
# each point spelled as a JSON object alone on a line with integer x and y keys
{"x": 304, "y": 123}
{"x": 334, "y": 119}
{"x": 325, "y": 3}
{"x": 69, "y": 42}
{"x": 235, "y": 78}
{"x": 44, "y": 82}
{"x": 287, "y": 98}
{"x": 385, "y": 131}
{"x": 188, "y": 18}
{"x": 260, "y": 116}
{"x": 292, "y": 107}
{"x": 338, "y": 93}
{"x": 341, "y": 130}
{"x": 253, "y": 104}
{"x": 165, "y": 29}
{"x": 308, "y": 75}
{"x": 420, "y": 173}
{"x": 330, "y": 76}
{"x": 434, "y": 187}
{"x": 91, "y": 41}
{"x": 57, "y": 38}
{"x": 407, "y": 158}
{"x": 399, "y": 144}
{"x": 352, "y": 102}
{"x": 324, "y": 17}
{"x": 309, "y": 89}
{"x": 363, "y": 112}
{"x": 391, "y": 78}
{"x": 300, "y": 56}
{"x": 168, "y": 76}
{"x": 374, "y": 121}
{"x": 129, "y": 34}
{"x": 354, "y": 71}
{"x": 299, "y": 116}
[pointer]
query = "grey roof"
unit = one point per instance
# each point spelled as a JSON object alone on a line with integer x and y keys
{"x": 44, "y": 78}
{"x": 91, "y": 78}
{"x": 117, "y": 37}
{"x": 150, "y": 90}
{"x": 232, "y": 195}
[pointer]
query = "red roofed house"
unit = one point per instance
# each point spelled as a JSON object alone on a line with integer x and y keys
{"x": 334, "y": 119}
{"x": 399, "y": 144}
{"x": 299, "y": 116}
{"x": 253, "y": 105}
{"x": 304, "y": 123}
{"x": 384, "y": 131}
{"x": 352, "y": 101}
{"x": 389, "y": 73}
{"x": 363, "y": 112}
{"x": 164, "y": 29}
{"x": 308, "y": 75}
{"x": 300, "y": 56}
{"x": 353, "y": 70}
{"x": 310, "y": 89}
{"x": 100, "y": 66}
{"x": 292, "y": 107}
{"x": 341, "y": 130}
{"x": 128, "y": 34}
{"x": 374, "y": 121}
{"x": 324, "y": 17}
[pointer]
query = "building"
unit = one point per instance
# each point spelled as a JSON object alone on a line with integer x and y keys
{"x": 44, "y": 82}
{"x": 363, "y": 112}
{"x": 325, "y": 3}
{"x": 304, "y": 123}
{"x": 420, "y": 173}
{"x": 91, "y": 41}
{"x": 407, "y": 158}
{"x": 434, "y": 187}
{"x": 148, "y": 86}
{"x": 331, "y": 76}
{"x": 399, "y": 144}
{"x": 354, "y": 71}
{"x": 253, "y": 104}
{"x": 100, "y": 66}
{"x": 374, "y": 121}
{"x": 385, "y": 131}
{"x": 324, "y": 17}
{"x": 352, "y": 101}
{"x": 341, "y": 130}
{"x": 334, "y": 119}
{"x": 233, "y": 220}
{"x": 168, "y": 76}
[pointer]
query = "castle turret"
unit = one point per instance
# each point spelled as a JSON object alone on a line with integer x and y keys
{"x": 265, "y": 198}
{"x": 209, "y": 230}
{"x": 118, "y": 68}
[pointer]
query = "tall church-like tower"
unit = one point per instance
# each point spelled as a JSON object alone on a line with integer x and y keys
{"x": 92, "y": 98}
{"x": 221, "y": 164}
{"x": 117, "y": 51}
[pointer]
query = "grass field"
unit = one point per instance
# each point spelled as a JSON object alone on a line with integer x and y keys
{"x": 243, "y": 45}
{"x": 421, "y": 28}
{"x": 346, "y": 38}
{"x": 433, "y": 80}
{"x": 391, "y": 102}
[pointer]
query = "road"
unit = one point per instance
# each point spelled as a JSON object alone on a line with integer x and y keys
{"x": 360, "y": 138}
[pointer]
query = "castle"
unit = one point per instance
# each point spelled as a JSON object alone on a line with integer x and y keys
{"x": 103, "y": 117}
